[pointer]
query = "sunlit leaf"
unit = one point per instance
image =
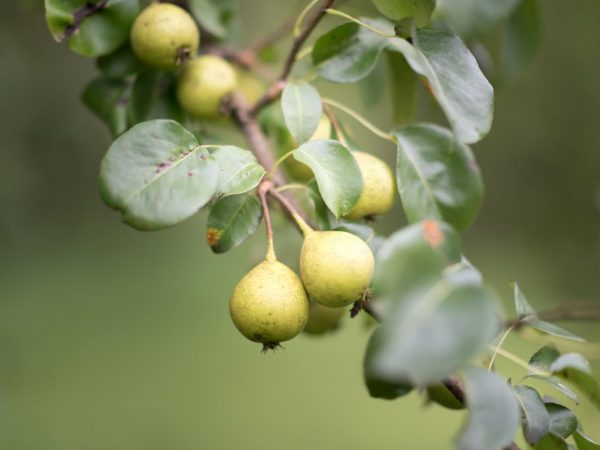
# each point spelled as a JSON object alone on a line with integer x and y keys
{"x": 336, "y": 171}
{"x": 455, "y": 80}
{"x": 157, "y": 175}
{"x": 107, "y": 98}
{"x": 437, "y": 176}
{"x": 239, "y": 172}
{"x": 576, "y": 370}
{"x": 302, "y": 110}
{"x": 397, "y": 10}
{"x": 585, "y": 442}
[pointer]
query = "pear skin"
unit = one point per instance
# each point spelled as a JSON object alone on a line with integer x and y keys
{"x": 162, "y": 34}
{"x": 269, "y": 305}
{"x": 336, "y": 267}
{"x": 379, "y": 188}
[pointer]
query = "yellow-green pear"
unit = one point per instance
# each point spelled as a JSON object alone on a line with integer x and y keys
{"x": 336, "y": 267}
{"x": 441, "y": 395}
{"x": 377, "y": 196}
{"x": 294, "y": 168}
{"x": 251, "y": 87}
{"x": 322, "y": 319}
{"x": 203, "y": 84}
{"x": 269, "y": 305}
{"x": 163, "y": 35}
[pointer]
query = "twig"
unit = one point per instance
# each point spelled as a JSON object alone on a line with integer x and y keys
{"x": 80, "y": 15}
{"x": 277, "y": 87}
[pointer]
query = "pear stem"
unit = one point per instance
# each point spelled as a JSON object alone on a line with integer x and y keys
{"x": 304, "y": 227}
{"x": 262, "y": 194}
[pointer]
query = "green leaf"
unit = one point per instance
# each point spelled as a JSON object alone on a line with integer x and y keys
{"x": 521, "y": 38}
{"x": 120, "y": 63}
{"x": 433, "y": 323}
{"x": 379, "y": 388}
{"x": 321, "y": 213}
{"x": 157, "y": 175}
{"x": 153, "y": 97}
{"x": 563, "y": 422}
{"x": 107, "y": 98}
{"x": 542, "y": 360}
{"x": 528, "y": 316}
{"x": 575, "y": 369}
{"x": 214, "y": 15}
{"x": 455, "y": 80}
{"x": 585, "y": 442}
{"x": 494, "y": 412}
{"x": 415, "y": 257}
{"x": 239, "y": 172}
{"x": 437, "y": 177}
{"x": 551, "y": 442}
{"x": 397, "y": 10}
{"x": 403, "y": 88}
{"x": 471, "y": 18}
{"x": 100, "y": 33}
{"x": 302, "y": 110}
{"x": 349, "y": 53}
{"x": 231, "y": 221}
{"x": 336, "y": 171}
{"x": 466, "y": 271}
{"x": 535, "y": 417}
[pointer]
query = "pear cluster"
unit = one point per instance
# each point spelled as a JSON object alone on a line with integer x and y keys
{"x": 166, "y": 37}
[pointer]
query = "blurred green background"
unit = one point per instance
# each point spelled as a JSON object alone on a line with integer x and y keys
{"x": 115, "y": 339}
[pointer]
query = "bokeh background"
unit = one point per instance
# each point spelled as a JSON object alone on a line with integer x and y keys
{"x": 115, "y": 339}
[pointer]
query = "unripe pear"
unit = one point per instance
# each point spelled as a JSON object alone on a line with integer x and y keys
{"x": 377, "y": 196}
{"x": 336, "y": 267}
{"x": 269, "y": 305}
{"x": 300, "y": 171}
{"x": 203, "y": 84}
{"x": 163, "y": 35}
{"x": 322, "y": 319}
{"x": 251, "y": 87}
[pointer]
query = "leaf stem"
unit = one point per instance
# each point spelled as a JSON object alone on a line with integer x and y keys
{"x": 518, "y": 361}
{"x": 301, "y": 17}
{"x": 262, "y": 194}
{"x": 336, "y": 125}
{"x": 277, "y": 163}
{"x": 292, "y": 211}
{"x": 498, "y": 347}
{"x": 364, "y": 122}
{"x": 335, "y": 12}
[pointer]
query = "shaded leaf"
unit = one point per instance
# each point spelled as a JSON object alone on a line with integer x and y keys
{"x": 231, "y": 221}
{"x": 153, "y": 97}
{"x": 397, "y": 10}
{"x": 107, "y": 98}
{"x": 403, "y": 88}
{"x": 157, "y": 175}
{"x": 535, "y": 417}
{"x": 455, "y": 80}
{"x": 239, "y": 172}
{"x": 120, "y": 63}
{"x": 213, "y": 15}
{"x": 575, "y": 369}
{"x": 542, "y": 361}
{"x": 471, "y": 18}
{"x": 302, "y": 110}
{"x": 585, "y": 442}
{"x": 521, "y": 38}
{"x": 437, "y": 177}
{"x": 349, "y": 53}
{"x": 551, "y": 442}
{"x": 494, "y": 412}
{"x": 320, "y": 208}
{"x": 563, "y": 422}
{"x": 336, "y": 171}
{"x": 99, "y": 33}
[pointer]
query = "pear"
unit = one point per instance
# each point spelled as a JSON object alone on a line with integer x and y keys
{"x": 294, "y": 168}
{"x": 269, "y": 305}
{"x": 203, "y": 84}
{"x": 163, "y": 35}
{"x": 379, "y": 189}
{"x": 251, "y": 87}
{"x": 336, "y": 267}
{"x": 322, "y": 319}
